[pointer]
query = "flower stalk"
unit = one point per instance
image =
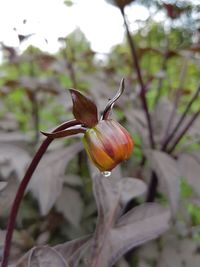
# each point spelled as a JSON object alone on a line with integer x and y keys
{"x": 105, "y": 150}
{"x": 140, "y": 80}
{"x": 22, "y": 188}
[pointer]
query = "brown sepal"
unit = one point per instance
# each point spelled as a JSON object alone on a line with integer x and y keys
{"x": 65, "y": 133}
{"x": 84, "y": 109}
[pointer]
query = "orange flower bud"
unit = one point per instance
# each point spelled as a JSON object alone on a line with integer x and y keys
{"x": 106, "y": 141}
{"x": 108, "y": 144}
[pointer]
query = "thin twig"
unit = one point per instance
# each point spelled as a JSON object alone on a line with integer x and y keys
{"x": 152, "y": 188}
{"x": 22, "y": 188}
{"x": 140, "y": 80}
{"x": 163, "y": 69}
{"x": 169, "y": 138}
{"x": 160, "y": 82}
{"x": 34, "y": 103}
{"x": 177, "y": 98}
{"x": 183, "y": 132}
{"x": 154, "y": 180}
{"x": 70, "y": 64}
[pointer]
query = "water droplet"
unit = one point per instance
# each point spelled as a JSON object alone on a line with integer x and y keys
{"x": 106, "y": 173}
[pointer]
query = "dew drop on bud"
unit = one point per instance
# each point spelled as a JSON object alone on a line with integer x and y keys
{"x": 106, "y": 173}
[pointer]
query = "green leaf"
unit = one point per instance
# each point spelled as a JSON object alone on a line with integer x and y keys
{"x": 84, "y": 109}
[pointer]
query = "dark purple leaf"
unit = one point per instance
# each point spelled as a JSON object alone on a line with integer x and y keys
{"x": 144, "y": 223}
{"x": 168, "y": 174}
{"x": 13, "y": 159}
{"x": 178, "y": 252}
{"x": 84, "y": 109}
{"x": 7, "y": 195}
{"x": 189, "y": 164}
{"x": 107, "y": 198}
{"x": 72, "y": 250}
{"x": 49, "y": 176}
{"x": 174, "y": 11}
{"x": 130, "y": 188}
{"x": 41, "y": 257}
{"x": 111, "y": 197}
{"x": 65, "y": 205}
{"x": 105, "y": 194}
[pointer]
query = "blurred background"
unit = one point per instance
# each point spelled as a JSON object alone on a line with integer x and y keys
{"x": 48, "y": 47}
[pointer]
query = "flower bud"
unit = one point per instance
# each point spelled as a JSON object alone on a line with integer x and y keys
{"x": 107, "y": 144}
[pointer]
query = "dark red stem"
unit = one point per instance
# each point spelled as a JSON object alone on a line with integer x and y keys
{"x": 169, "y": 138}
{"x": 70, "y": 63}
{"x": 22, "y": 188}
{"x": 139, "y": 75}
{"x": 183, "y": 132}
{"x": 152, "y": 188}
{"x": 154, "y": 181}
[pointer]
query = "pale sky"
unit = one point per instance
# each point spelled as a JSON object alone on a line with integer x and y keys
{"x": 49, "y": 19}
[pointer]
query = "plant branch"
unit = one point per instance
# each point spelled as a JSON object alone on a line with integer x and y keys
{"x": 160, "y": 82}
{"x": 152, "y": 188}
{"x": 140, "y": 80}
{"x": 22, "y": 188}
{"x": 34, "y": 102}
{"x": 70, "y": 63}
{"x": 154, "y": 181}
{"x": 183, "y": 132}
{"x": 169, "y": 138}
{"x": 177, "y": 98}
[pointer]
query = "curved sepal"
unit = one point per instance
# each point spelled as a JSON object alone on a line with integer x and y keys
{"x": 84, "y": 109}
{"x": 111, "y": 103}
{"x": 65, "y": 133}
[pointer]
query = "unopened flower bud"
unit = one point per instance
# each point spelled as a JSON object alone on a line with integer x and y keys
{"x": 108, "y": 144}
